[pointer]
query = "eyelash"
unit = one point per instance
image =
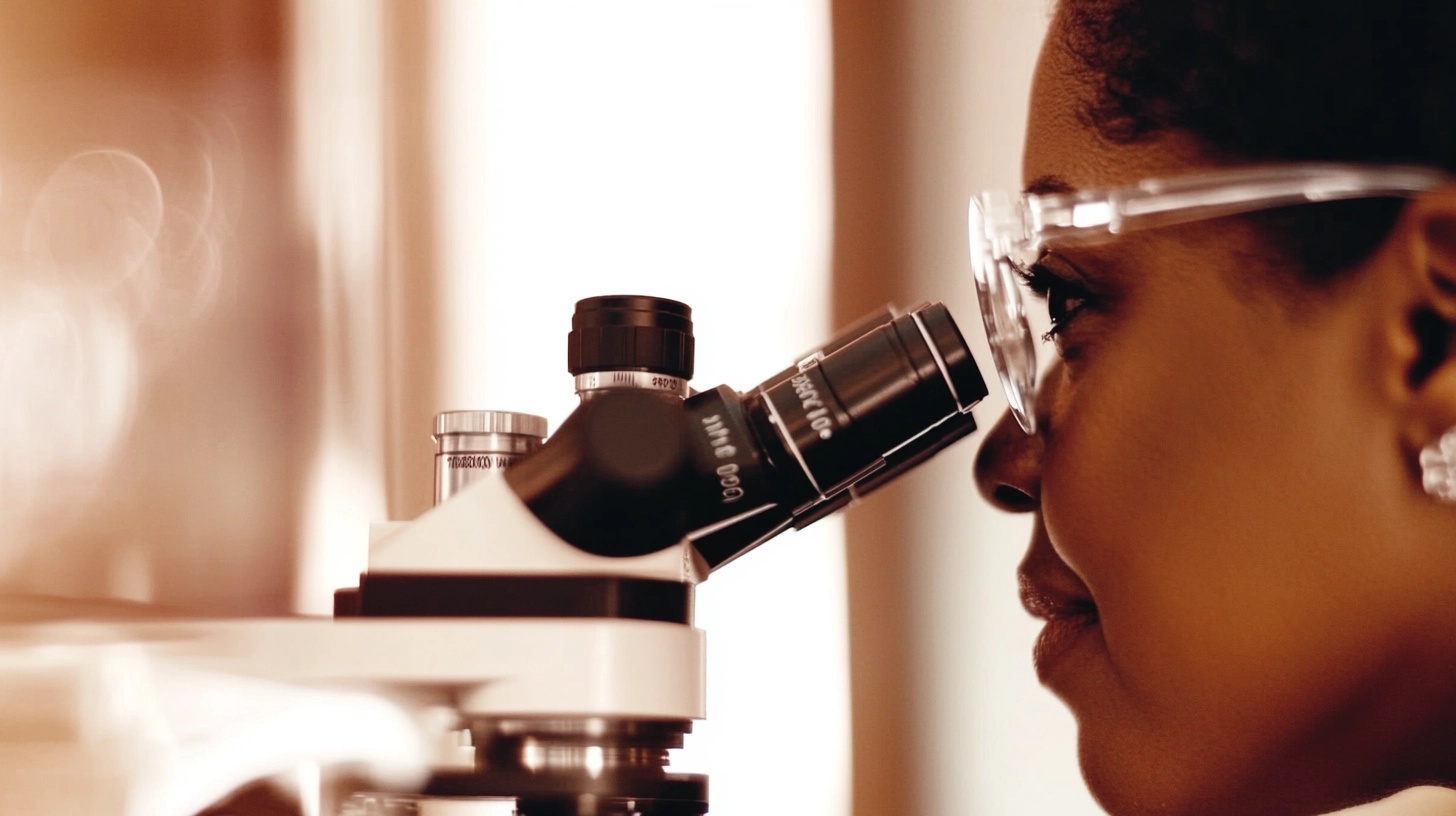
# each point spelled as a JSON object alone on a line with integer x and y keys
{"x": 1057, "y": 292}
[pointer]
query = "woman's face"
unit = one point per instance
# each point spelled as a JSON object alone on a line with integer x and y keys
{"x": 1218, "y": 474}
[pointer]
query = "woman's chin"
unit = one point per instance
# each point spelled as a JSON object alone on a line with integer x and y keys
{"x": 1127, "y": 777}
{"x": 1131, "y": 773}
{"x": 1129, "y": 786}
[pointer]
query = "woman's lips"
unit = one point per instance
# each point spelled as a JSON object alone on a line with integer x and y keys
{"x": 1057, "y": 639}
{"x": 1069, "y": 616}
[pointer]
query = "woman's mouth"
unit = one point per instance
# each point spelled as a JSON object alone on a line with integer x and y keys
{"x": 1069, "y": 617}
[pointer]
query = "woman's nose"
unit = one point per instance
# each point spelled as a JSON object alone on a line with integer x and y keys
{"x": 1008, "y": 467}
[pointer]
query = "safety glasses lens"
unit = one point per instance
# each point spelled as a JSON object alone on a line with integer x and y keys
{"x": 998, "y": 288}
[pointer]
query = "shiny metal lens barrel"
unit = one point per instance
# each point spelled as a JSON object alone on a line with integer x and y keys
{"x": 556, "y": 767}
{"x": 595, "y": 381}
{"x": 471, "y": 444}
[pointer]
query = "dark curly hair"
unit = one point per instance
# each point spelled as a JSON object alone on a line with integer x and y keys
{"x": 1364, "y": 81}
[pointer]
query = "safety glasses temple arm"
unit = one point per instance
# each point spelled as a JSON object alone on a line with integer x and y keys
{"x": 1092, "y": 215}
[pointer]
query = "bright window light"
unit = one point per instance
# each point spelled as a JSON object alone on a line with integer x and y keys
{"x": 676, "y": 149}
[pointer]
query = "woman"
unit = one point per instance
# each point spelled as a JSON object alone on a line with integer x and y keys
{"x": 1245, "y": 544}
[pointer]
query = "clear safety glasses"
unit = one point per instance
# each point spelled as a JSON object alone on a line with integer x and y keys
{"x": 1009, "y": 231}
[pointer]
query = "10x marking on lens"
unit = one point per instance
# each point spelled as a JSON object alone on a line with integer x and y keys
{"x": 814, "y": 409}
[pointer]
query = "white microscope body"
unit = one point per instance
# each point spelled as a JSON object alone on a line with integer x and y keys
{"x": 164, "y": 717}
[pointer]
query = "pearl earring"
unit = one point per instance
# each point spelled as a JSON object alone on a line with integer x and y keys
{"x": 1438, "y": 467}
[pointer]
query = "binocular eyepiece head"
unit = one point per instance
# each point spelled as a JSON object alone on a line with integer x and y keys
{"x": 643, "y": 462}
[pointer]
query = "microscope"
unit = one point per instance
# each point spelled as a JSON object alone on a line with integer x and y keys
{"x": 542, "y": 610}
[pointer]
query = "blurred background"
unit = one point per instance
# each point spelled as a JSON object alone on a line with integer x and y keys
{"x": 248, "y": 249}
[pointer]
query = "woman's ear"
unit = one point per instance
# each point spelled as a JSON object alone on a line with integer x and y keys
{"x": 1430, "y": 327}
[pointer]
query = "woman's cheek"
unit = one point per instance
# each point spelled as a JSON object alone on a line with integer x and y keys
{"x": 1223, "y": 640}
{"x": 1127, "y": 500}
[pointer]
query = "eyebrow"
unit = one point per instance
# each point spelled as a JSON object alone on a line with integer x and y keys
{"x": 1049, "y": 184}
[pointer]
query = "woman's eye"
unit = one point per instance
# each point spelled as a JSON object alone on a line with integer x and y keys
{"x": 1064, "y": 298}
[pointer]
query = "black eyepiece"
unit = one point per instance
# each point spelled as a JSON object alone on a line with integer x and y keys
{"x": 799, "y": 447}
{"x": 631, "y": 333}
